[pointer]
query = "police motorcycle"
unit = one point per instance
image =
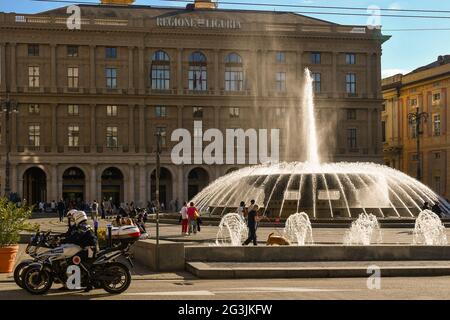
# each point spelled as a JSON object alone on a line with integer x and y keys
{"x": 40, "y": 242}
{"x": 83, "y": 267}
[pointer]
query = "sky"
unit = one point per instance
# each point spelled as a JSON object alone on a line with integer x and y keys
{"x": 404, "y": 52}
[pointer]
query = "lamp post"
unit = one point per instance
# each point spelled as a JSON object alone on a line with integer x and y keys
{"x": 416, "y": 119}
{"x": 157, "y": 173}
{"x": 8, "y": 106}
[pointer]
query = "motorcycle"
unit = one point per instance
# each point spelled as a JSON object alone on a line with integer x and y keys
{"x": 96, "y": 270}
{"x": 40, "y": 242}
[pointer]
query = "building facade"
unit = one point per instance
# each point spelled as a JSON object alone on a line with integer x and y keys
{"x": 426, "y": 90}
{"x": 90, "y": 100}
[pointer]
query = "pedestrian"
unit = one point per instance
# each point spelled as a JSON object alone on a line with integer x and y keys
{"x": 437, "y": 209}
{"x": 184, "y": 219}
{"x": 426, "y": 206}
{"x": 102, "y": 209}
{"x": 252, "y": 219}
{"x": 53, "y": 206}
{"x": 192, "y": 216}
{"x": 250, "y": 207}
{"x": 94, "y": 212}
{"x": 41, "y": 206}
{"x": 241, "y": 209}
{"x": 199, "y": 222}
{"x": 61, "y": 210}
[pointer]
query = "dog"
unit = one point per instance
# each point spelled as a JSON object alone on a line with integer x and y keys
{"x": 273, "y": 240}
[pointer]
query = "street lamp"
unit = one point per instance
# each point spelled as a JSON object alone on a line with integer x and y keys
{"x": 8, "y": 106}
{"x": 157, "y": 174}
{"x": 416, "y": 119}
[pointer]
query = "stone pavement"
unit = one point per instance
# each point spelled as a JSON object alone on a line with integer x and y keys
{"x": 172, "y": 232}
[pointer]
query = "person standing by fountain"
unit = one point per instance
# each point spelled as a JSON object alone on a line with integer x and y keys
{"x": 184, "y": 219}
{"x": 242, "y": 210}
{"x": 252, "y": 219}
{"x": 192, "y": 216}
{"x": 437, "y": 209}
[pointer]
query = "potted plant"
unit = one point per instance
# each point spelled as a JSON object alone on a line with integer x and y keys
{"x": 13, "y": 220}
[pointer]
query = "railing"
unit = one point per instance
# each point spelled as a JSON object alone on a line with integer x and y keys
{"x": 61, "y": 20}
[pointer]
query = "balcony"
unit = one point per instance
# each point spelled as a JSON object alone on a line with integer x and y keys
{"x": 34, "y": 149}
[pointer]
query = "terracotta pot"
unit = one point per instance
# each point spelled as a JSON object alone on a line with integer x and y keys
{"x": 8, "y": 258}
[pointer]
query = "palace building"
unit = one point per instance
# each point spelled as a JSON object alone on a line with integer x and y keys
{"x": 426, "y": 90}
{"x": 91, "y": 93}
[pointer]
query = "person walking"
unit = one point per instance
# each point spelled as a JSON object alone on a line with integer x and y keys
{"x": 241, "y": 209}
{"x": 61, "y": 210}
{"x": 94, "y": 213}
{"x": 192, "y": 216}
{"x": 102, "y": 210}
{"x": 184, "y": 219}
{"x": 252, "y": 219}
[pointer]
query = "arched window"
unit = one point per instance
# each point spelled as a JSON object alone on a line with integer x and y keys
{"x": 234, "y": 74}
{"x": 160, "y": 75}
{"x": 198, "y": 74}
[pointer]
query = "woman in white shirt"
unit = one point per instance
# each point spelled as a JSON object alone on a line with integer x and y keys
{"x": 184, "y": 219}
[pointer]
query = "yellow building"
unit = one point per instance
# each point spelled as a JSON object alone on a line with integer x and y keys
{"x": 426, "y": 88}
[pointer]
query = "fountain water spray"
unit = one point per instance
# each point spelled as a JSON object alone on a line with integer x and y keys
{"x": 310, "y": 119}
{"x": 298, "y": 229}
{"x": 365, "y": 230}
{"x": 429, "y": 230}
{"x": 232, "y": 230}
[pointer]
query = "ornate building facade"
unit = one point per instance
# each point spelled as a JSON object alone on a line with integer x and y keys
{"x": 90, "y": 100}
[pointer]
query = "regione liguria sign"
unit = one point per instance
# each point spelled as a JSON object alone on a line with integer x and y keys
{"x": 198, "y": 23}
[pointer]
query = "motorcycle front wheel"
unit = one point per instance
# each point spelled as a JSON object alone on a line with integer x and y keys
{"x": 37, "y": 281}
{"x": 116, "y": 278}
{"x": 19, "y": 271}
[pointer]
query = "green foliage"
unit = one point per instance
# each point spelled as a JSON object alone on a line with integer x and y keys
{"x": 13, "y": 220}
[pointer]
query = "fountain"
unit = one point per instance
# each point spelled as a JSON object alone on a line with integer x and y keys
{"x": 365, "y": 231}
{"x": 323, "y": 190}
{"x": 232, "y": 230}
{"x": 429, "y": 230}
{"x": 298, "y": 229}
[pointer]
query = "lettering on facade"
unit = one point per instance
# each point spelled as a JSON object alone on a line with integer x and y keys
{"x": 198, "y": 23}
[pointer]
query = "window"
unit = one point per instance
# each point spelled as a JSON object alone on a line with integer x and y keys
{"x": 436, "y": 124}
{"x": 111, "y": 137}
{"x": 351, "y": 114}
{"x": 72, "y": 77}
{"x": 160, "y": 111}
{"x": 197, "y": 72}
{"x": 162, "y": 132}
{"x": 437, "y": 155}
{"x": 111, "y": 52}
{"x": 33, "y": 109}
{"x": 351, "y": 138}
{"x": 111, "y": 78}
{"x": 317, "y": 84}
{"x": 73, "y": 135}
{"x": 437, "y": 184}
{"x": 234, "y": 112}
{"x": 73, "y": 110}
{"x": 281, "y": 57}
{"x": 350, "y": 58}
{"x": 436, "y": 98}
{"x": 350, "y": 82}
{"x": 281, "y": 81}
{"x": 111, "y": 111}
{"x": 72, "y": 51}
{"x": 33, "y": 50}
{"x": 234, "y": 74}
{"x": 383, "y": 131}
{"x": 316, "y": 58}
{"x": 197, "y": 112}
{"x": 413, "y": 102}
{"x": 33, "y": 76}
{"x": 160, "y": 75}
{"x": 415, "y": 157}
{"x": 34, "y": 135}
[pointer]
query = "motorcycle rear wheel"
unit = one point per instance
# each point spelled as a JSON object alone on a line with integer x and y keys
{"x": 121, "y": 275}
{"x": 19, "y": 271}
{"x": 37, "y": 281}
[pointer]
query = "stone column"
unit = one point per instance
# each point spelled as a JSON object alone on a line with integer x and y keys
{"x": 13, "y": 134}
{"x": 141, "y": 71}
{"x": 131, "y": 127}
{"x": 216, "y": 72}
{"x": 54, "y": 127}
{"x": 369, "y": 75}
{"x": 92, "y": 75}
{"x": 131, "y": 181}
{"x": 378, "y": 94}
{"x": 299, "y": 65}
{"x": 13, "y": 181}
{"x": 142, "y": 130}
{"x": 181, "y": 185}
{"x": 216, "y": 117}
{"x": 142, "y": 185}
{"x": 93, "y": 184}
{"x": 54, "y": 183}
{"x": 93, "y": 130}
{"x": 180, "y": 116}
{"x": 130, "y": 70}
{"x": 370, "y": 145}
{"x": 334, "y": 72}
{"x": 14, "y": 68}
{"x": 263, "y": 74}
{"x": 53, "y": 67}
{"x": 180, "y": 77}
{"x": 2, "y": 67}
